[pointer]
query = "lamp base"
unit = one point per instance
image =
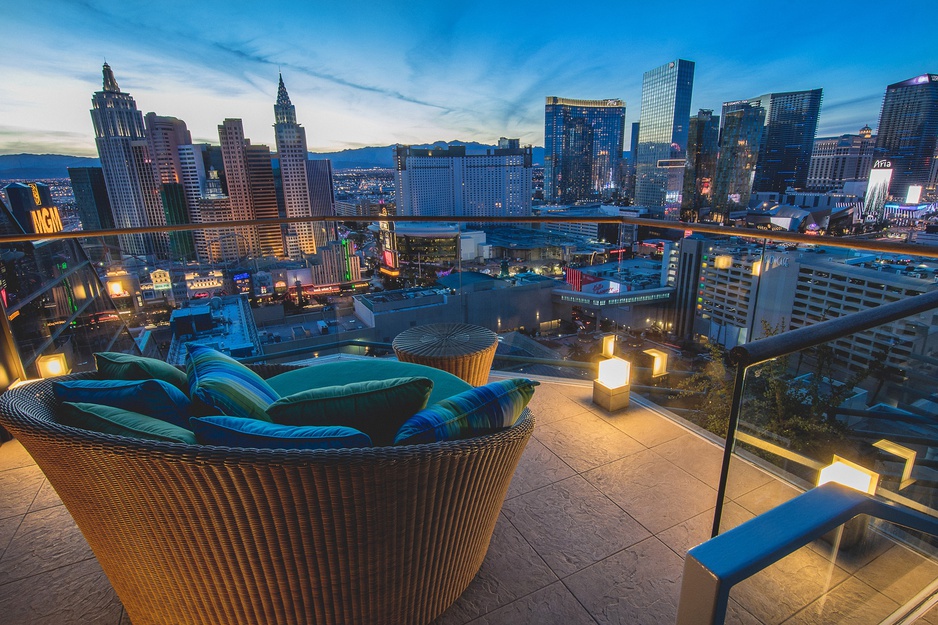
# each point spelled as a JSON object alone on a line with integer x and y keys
{"x": 612, "y": 399}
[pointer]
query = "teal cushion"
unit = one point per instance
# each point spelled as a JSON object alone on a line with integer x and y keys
{"x": 477, "y": 411}
{"x": 154, "y": 398}
{"x": 220, "y": 384}
{"x": 111, "y": 420}
{"x": 118, "y": 366}
{"x": 348, "y": 371}
{"x": 238, "y": 432}
{"x": 377, "y": 407}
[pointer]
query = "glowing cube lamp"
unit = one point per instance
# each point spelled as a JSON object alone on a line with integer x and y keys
{"x": 52, "y": 365}
{"x": 611, "y": 388}
{"x": 849, "y": 474}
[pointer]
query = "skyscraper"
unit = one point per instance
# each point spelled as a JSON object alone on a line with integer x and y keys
{"x": 293, "y": 154}
{"x": 662, "y": 136}
{"x": 237, "y": 242}
{"x": 117, "y": 124}
{"x": 787, "y": 139}
{"x": 740, "y": 139}
{"x": 264, "y": 199}
{"x": 908, "y": 137}
{"x": 583, "y": 142}
{"x": 445, "y": 182}
{"x": 94, "y": 210}
{"x": 702, "y": 145}
{"x": 321, "y": 198}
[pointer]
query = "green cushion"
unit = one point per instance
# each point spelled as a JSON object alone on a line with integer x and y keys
{"x": 118, "y": 366}
{"x": 110, "y": 420}
{"x": 377, "y": 407}
{"x": 219, "y": 384}
{"x": 153, "y": 398}
{"x": 475, "y": 412}
{"x": 238, "y": 432}
{"x": 347, "y": 371}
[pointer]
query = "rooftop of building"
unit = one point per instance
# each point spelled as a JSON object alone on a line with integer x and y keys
{"x": 597, "y": 520}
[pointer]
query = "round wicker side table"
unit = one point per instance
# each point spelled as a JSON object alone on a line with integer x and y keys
{"x": 465, "y": 350}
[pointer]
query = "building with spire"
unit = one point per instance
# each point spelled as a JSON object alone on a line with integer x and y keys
{"x": 117, "y": 125}
{"x": 293, "y": 155}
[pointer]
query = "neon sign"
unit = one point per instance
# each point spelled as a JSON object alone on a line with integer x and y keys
{"x": 46, "y": 220}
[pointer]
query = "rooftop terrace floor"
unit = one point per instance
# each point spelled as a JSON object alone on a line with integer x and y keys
{"x": 594, "y": 530}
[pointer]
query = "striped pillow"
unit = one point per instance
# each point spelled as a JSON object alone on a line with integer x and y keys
{"x": 221, "y": 384}
{"x": 478, "y": 411}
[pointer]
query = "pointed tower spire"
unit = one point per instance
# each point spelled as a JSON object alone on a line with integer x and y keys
{"x": 283, "y": 98}
{"x": 284, "y": 111}
{"x": 110, "y": 83}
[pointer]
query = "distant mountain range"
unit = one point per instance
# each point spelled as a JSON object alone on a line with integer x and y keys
{"x": 39, "y": 166}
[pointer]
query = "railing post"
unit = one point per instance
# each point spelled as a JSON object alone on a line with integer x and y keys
{"x": 728, "y": 447}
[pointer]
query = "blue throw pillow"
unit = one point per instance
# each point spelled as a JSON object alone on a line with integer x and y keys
{"x": 478, "y": 411}
{"x": 238, "y": 432}
{"x": 220, "y": 384}
{"x": 154, "y": 398}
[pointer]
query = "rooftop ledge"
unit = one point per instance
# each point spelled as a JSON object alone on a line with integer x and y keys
{"x": 600, "y": 513}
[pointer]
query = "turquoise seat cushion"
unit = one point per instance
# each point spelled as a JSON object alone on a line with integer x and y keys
{"x": 154, "y": 398}
{"x": 478, "y": 411}
{"x": 376, "y": 407}
{"x": 220, "y": 384}
{"x": 240, "y": 432}
{"x": 347, "y": 371}
{"x": 118, "y": 366}
{"x": 111, "y": 420}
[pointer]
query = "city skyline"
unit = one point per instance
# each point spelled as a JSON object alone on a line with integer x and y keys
{"x": 378, "y": 73}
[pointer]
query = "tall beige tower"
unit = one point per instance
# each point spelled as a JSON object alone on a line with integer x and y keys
{"x": 293, "y": 154}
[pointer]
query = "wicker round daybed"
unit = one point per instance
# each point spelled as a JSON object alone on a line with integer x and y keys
{"x": 223, "y": 536}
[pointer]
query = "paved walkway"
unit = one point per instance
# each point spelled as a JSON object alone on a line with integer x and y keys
{"x": 598, "y": 518}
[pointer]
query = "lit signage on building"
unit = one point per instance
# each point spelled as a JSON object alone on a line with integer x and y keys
{"x": 46, "y": 220}
{"x": 914, "y": 194}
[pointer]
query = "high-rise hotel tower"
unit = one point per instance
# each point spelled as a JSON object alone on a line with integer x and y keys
{"x": 907, "y": 140}
{"x": 117, "y": 126}
{"x": 582, "y": 148}
{"x": 291, "y": 149}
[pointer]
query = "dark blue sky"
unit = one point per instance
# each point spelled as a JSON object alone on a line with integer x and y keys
{"x": 374, "y": 73}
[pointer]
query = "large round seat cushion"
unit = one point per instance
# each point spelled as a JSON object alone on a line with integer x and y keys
{"x": 348, "y": 371}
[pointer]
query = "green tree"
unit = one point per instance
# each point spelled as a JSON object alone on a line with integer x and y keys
{"x": 711, "y": 391}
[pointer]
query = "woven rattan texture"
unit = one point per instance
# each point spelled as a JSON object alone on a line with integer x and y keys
{"x": 466, "y": 351}
{"x": 212, "y": 535}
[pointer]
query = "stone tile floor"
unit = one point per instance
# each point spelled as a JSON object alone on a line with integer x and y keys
{"x": 594, "y": 530}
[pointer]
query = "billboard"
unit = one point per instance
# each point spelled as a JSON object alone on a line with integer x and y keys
{"x": 878, "y": 189}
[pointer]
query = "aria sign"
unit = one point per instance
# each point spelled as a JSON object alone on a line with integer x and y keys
{"x": 882, "y": 164}
{"x": 46, "y": 220}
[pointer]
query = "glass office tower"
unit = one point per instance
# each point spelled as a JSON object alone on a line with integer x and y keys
{"x": 702, "y": 145}
{"x": 583, "y": 141}
{"x": 908, "y": 137}
{"x": 740, "y": 139}
{"x": 787, "y": 139}
{"x": 662, "y": 136}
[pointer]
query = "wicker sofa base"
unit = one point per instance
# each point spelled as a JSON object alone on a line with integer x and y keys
{"x": 212, "y": 535}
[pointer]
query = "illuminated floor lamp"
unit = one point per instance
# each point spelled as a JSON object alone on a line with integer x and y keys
{"x": 659, "y": 367}
{"x": 611, "y": 388}
{"x": 52, "y": 365}
{"x": 850, "y": 474}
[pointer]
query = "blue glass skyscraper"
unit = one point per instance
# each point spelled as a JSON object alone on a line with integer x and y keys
{"x": 583, "y": 142}
{"x": 662, "y": 136}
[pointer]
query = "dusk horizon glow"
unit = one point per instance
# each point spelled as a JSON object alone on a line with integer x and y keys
{"x": 377, "y": 73}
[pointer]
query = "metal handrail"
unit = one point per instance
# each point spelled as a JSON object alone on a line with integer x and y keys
{"x": 748, "y": 233}
{"x": 795, "y": 340}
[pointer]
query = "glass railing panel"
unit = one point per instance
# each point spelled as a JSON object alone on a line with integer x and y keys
{"x": 862, "y": 408}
